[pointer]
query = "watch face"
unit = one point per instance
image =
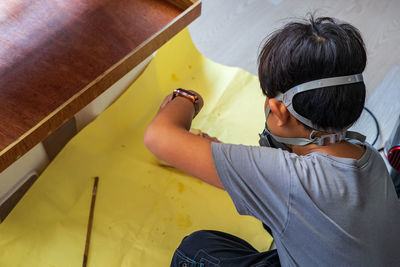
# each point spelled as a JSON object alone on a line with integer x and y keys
{"x": 186, "y": 91}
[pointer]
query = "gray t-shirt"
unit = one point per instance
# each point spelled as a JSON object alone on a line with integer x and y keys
{"x": 323, "y": 210}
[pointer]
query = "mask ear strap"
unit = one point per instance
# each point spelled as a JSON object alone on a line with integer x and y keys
{"x": 332, "y": 138}
{"x": 286, "y": 140}
{"x": 356, "y": 136}
{"x": 289, "y": 140}
{"x": 321, "y": 140}
{"x": 288, "y": 96}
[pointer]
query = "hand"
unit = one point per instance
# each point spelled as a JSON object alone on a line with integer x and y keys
{"x": 212, "y": 139}
{"x": 204, "y": 135}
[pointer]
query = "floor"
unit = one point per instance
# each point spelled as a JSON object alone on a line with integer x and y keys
{"x": 231, "y": 31}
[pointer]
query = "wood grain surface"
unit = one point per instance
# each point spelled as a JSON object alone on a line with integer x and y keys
{"x": 57, "y": 56}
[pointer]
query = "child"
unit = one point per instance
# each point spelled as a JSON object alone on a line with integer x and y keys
{"x": 328, "y": 201}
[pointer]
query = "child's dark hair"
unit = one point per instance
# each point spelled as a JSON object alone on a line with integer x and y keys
{"x": 311, "y": 50}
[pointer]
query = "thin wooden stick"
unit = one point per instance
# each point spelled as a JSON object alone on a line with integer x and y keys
{"x": 90, "y": 223}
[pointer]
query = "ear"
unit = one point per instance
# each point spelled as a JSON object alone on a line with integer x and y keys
{"x": 279, "y": 110}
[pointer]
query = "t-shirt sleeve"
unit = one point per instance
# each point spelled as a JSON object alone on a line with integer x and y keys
{"x": 257, "y": 180}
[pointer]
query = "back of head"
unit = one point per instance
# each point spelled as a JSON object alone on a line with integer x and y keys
{"x": 310, "y": 50}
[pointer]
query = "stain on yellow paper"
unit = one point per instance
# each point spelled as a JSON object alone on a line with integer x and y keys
{"x": 183, "y": 220}
{"x": 181, "y": 187}
{"x": 174, "y": 77}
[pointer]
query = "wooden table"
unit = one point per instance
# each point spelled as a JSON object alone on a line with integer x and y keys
{"x": 57, "y": 56}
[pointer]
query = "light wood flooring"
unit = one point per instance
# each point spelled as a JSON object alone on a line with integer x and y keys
{"x": 231, "y": 31}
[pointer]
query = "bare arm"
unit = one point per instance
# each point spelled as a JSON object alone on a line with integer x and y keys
{"x": 168, "y": 138}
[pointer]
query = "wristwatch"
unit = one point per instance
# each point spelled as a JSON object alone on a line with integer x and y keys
{"x": 188, "y": 95}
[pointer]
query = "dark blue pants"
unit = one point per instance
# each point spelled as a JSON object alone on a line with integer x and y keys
{"x": 217, "y": 249}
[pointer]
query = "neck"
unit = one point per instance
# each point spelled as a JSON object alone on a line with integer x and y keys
{"x": 343, "y": 149}
{"x": 292, "y": 129}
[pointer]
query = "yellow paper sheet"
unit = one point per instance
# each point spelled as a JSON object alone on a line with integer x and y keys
{"x": 143, "y": 210}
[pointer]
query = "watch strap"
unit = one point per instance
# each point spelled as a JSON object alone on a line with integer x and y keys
{"x": 189, "y": 96}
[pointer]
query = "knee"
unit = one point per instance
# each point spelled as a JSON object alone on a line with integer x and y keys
{"x": 190, "y": 245}
{"x": 195, "y": 241}
{"x": 200, "y": 235}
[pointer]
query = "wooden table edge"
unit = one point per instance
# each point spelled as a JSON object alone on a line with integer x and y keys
{"x": 66, "y": 111}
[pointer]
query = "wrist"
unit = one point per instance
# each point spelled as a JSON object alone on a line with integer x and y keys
{"x": 184, "y": 105}
{"x": 190, "y": 96}
{"x": 177, "y": 113}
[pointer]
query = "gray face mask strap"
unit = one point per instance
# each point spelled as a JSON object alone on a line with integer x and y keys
{"x": 332, "y": 138}
{"x": 320, "y": 140}
{"x": 288, "y": 140}
{"x": 327, "y": 138}
{"x": 287, "y": 97}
